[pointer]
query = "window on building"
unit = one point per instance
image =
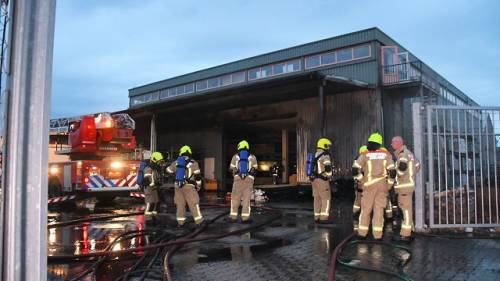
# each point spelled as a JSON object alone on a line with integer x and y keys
{"x": 328, "y": 58}
{"x": 238, "y": 77}
{"x": 180, "y": 90}
{"x": 313, "y": 61}
{"x": 155, "y": 96}
{"x": 266, "y": 71}
{"x": 213, "y": 82}
{"x": 254, "y": 74}
{"x": 293, "y": 66}
{"x": 225, "y": 80}
{"x": 361, "y": 52}
{"x": 189, "y": 88}
{"x": 172, "y": 92}
{"x": 137, "y": 100}
{"x": 279, "y": 68}
{"x": 163, "y": 94}
{"x": 148, "y": 98}
{"x": 201, "y": 85}
{"x": 344, "y": 55}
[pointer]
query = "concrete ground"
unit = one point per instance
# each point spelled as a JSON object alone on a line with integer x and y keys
{"x": 295, "y": 248}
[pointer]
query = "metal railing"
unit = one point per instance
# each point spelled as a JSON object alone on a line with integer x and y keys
{"x": 413, "y": 71}
{"x": 463, "y": 161}
{"x": 401, "y": 73}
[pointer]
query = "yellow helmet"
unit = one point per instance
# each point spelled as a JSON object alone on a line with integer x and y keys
{"x": 362, "y": 149}
{"x": 376, "y": 138}
{"x": 324, "y": 143}
{"x": 185, "y": 149}
{"x": 243, "y": 145}
{"x": 156, "y": 156}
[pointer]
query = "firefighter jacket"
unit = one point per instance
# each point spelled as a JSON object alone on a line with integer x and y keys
{"x": 374, "y": 166}
{"x": 407, "y": 166}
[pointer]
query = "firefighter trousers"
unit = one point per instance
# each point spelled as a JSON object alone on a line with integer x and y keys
{"x": 388, "y": 209}
{"x": 374, "y": 200}
{"x": 241, "y": 194}
{"x": 151, "y": 199}
{"x": 405, "y": 202}
{"x": 187, "y": 195}
{"x": 357, "y": 202}
{"x": 322, "y": 199}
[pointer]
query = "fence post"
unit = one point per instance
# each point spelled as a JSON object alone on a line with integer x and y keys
{"x": 419, "y": 153}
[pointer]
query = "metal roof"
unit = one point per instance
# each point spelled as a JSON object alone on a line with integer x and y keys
{"x": 337, "y": 42}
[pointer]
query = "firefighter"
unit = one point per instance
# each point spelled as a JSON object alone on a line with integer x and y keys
{"x": 276, "y": 170}
{"x": 244, "y": 168}
{"x": 188, "y": 182}
{"x": 151, "y": 182}
{"x": 356, "y": 207}
{"x": 376, "y": 168}
{"x": 407, "y": 166}
{"x": 388, "y": 207}
{"x": 322, "y": 171}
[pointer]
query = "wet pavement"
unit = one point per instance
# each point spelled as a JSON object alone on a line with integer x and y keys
{"x": 290, "y": 248}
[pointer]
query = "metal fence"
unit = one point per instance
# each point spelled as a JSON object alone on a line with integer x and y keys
{"x": 463, "y": 166}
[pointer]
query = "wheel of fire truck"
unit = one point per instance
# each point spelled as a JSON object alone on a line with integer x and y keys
{"x": 55, "y": 187}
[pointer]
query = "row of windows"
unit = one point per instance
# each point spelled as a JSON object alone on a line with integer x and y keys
{"x": 163, "y": 94}
{"x": 176, "y": 91}
{"x": 274, "y": 69}
{"x": 339, "y": 56}
{"x": 449, "y": 96}
{"x": 229, "y": 79}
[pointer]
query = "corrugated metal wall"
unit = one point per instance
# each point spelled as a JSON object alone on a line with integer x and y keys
{"x": 350, "y": 118}
{"x": 308, "y": 131}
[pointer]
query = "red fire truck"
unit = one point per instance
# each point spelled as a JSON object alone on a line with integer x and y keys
{"x": 98, "y": 156}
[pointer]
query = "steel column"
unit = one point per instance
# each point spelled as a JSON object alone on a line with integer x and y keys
{"x": 152, "y": 142}
{"x": 321, "y": 90}
{"x": 419, "y": 154}
{"x": 284, "y": 155}
{"x": 28, "y": 89}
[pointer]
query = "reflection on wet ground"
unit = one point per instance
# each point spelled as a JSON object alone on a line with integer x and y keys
{"x": 291, "y": 248}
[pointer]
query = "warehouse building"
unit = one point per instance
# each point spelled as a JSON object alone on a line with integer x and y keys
{"x": 343, "y": 88}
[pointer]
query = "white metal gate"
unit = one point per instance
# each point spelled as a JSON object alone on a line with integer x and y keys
{"x": 463, "y": 166}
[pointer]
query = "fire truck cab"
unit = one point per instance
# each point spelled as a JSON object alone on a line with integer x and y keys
{"x": 93, "y": 156}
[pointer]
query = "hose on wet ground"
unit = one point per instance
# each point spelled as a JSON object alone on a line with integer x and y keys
{"x": 135, "y": 268}
{"x": 124, "y": 236}
{"x": 145, "y": 271}
{"x": 91, "y": 219}
{"x": 336, "y": 257}
{"x": 170, "y": 243}
{"x": 166, "y": 271}
{"x": 201, "y": 229}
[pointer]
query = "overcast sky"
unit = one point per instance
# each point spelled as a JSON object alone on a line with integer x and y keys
{"x": 104, "y": 48}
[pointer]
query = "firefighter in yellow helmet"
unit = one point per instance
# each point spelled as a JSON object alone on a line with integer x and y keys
{"x": 407, "y": 167}
{"x": 151, "y": 182}
{"x": 321, "y": 174}
{"x": 244, "y": 168}
{"x": 375, "y": 168}
{"x": 358, "y": 187}
{"x": 188, "y": 181}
